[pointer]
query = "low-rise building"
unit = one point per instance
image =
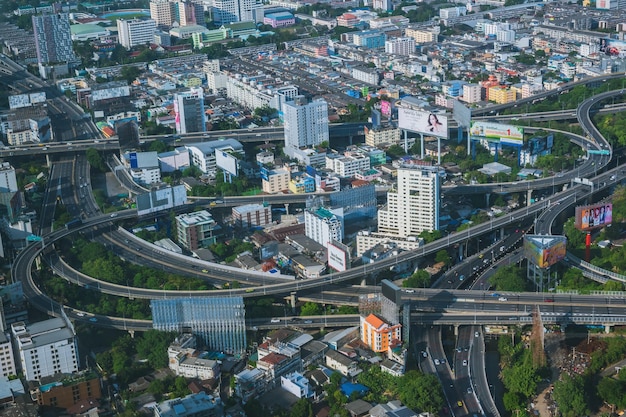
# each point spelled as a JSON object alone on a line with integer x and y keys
{"x": 379, "y": 335}
{"x": 276, "y": 181}
{"x": 193, "y": 405}
{"x": 252, "y": 215}
{"x": 341, "y": 363}
{"x": 297, "y": 384}
{"x": 65, "y": 391}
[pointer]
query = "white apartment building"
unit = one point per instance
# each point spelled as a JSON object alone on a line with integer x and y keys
{"x": 400, "y": 46}
{"x": 146, "y": 176}
{"x": 384, "y": 136}
{"x": 45, "y": 348}
{"x": 472, "y": 93}
{"x": 306, "y": 124}
{"x": 202, "y": 155}
{"x": 257, "y": 91}
{"x": 8, "y": 180}
{"x": 349, "y": 164}
{"x": 507, "y": 36}
{"x": 277, "y": 181}
{"x": 7, "y": 361}
{"x": 297, "y": 384}
{"x": 324, "y": 225}
{"x": 366, "y": 75}
{"x": 413, "y": 206}
{"x": 135, "y": 32}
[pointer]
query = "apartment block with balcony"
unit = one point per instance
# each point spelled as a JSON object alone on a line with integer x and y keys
{"x": 379, "y": 335}
{"x": 196, "y": 230}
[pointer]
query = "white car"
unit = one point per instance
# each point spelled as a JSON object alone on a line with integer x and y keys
{"x": 80, "y": 314}
{"x": 464, "y": 362}
{"x": 502, "y": 299}
{"x": 275, "y": 321}
{"x": 437, "y": 362}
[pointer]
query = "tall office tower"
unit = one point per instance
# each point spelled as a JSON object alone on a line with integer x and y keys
{"x": 414, "y": 205}
{"x": 8, "y": 179}
{"x": 306, "y": 124}
{"x": 219, "y": 321}
{"x": 189, "y": 109}
{"x": 187, "y": 12}
{"x": 53, "y": 39}
{"x": 324, "y": 225}
{"x": 45, "y": 348}
{"x": 229, "y": 11}
{"x": 162, "y": 12}
{"x": 135, "y": 32}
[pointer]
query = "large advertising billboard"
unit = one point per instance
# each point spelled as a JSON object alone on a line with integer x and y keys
{"x": 163, "y": 199}
{"x": 594, "y": 216}
{"x": 420, "y": 121}
{"x": 613, "y": 47}
{"x": 227, "y": 162}
{"x": 497, "y": 132}
{"x": 338, "y": 257}
{"x": 385, "y": 108}
{"x": 544, "y": 251}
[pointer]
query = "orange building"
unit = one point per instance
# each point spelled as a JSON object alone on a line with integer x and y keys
{"x": 68, "y": 390}
{"x": 378, "y": 334}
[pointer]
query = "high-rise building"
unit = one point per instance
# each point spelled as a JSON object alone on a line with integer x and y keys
{"x": 195, "y": 230}
{"x": 187, "y": 13}
{"x": 324, "y": 225}
{"x": 135, "y": 32}
{"x": 413, "y": 206}
{"x": 7, "y": 361}
{"x": 45, "y": 348}
{"x": 229, "y": 11}
{"x": 162, "y": 12}
{"x": 53, "y": 39}
{"x": 306, "y": 124}
{"x": 219, "y": 321}
{"x": 400, "y": 46}
{"x": 8, "y": 180}
{"x": 189, "y": 109}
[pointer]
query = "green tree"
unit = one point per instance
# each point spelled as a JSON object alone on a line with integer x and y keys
{"x": 421, "y": 392}
{"x": 569, "y": 393}
{"x": 612, "y": 391}
{"x": 443, "y": 256}
{"x": 302, "y": 408}
{"x": 420, "y": 279}
{"x": 95, "y": 160}
{"x": 509, "y": 278}
{"x": 158, "y": 146}
{"x": 310, "y": 309}
{"x": 129, "y": 73}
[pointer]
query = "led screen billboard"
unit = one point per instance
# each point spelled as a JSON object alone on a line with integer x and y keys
{"x": 421, "y": 121}
{"x": 544, "y": 251}
{"x": 385, "y": 108}
{"x": 594, "y": 216}
{"x": 497, "y": 132}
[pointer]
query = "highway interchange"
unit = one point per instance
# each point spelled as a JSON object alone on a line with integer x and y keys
{"x": 69, "y": 179}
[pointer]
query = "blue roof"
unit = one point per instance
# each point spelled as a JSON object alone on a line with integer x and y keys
{"x": 349, "y": 388}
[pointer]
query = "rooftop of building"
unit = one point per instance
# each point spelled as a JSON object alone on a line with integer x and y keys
{"x": 211, "y": 146}
{"x": 197, "y": 217}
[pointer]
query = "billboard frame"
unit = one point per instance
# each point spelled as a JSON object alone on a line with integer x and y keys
{"x": 421, "y": 121}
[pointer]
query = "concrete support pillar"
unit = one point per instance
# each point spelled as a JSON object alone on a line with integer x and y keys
{"x": 293, "y": 299}
{"x": 529, "y": 196}
{"x": 422, "y": 145}
{"x": 487, "y": 197}
{"x": 461, "y": 250}
{"x": 438, "y": 151}
{"x": 501, "y": 234}
{"x": 456, "y": 330}
{"x": 132, "y": 334}
{"x": 607, "y": 328}
{"x": 48, "y": 161}
{"x": 287, "y": 208}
